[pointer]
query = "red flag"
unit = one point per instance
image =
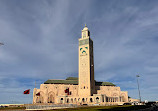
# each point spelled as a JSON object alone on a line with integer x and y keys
{"x": 38, "y": 94}
{"x": 67, "y": 91}
{"x": 27, "y": 91}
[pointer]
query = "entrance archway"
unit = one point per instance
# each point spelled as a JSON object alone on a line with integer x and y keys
{"x": 51, "y": 97}
{"x": 39, "y": 98}
{"x": 61, "y": 100}
{"x": 97, "y": 99}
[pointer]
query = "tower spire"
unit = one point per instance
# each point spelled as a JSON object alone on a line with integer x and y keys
{"x": 86, "y": 64}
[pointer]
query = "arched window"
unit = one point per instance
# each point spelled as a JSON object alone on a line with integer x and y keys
{"x": 91, "y": 100}
{"x": 83, "y": 100}
{"x": 67, "y": 100}
{"x": 71, "y": 100}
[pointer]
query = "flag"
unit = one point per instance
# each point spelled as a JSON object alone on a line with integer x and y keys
{"x": 38, "y": 94}
{"x": 27, "y": 91}
{"x": 67, "y": 91}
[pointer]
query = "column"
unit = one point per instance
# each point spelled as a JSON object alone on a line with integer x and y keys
{"x": 100, "y": 99}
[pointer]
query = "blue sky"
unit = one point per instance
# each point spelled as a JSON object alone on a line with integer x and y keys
{"x": 41, "y": 42}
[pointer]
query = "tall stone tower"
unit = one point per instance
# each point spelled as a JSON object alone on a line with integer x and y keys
{"x": 86, "y": 64}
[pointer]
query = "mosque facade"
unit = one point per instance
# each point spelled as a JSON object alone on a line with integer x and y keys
{"x": 84, "y": 89}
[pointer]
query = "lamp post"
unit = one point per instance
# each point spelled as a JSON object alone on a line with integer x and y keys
{"x": 138, "y": 87}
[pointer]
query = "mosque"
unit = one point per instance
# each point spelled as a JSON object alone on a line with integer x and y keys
{"x": 84, "y": 89}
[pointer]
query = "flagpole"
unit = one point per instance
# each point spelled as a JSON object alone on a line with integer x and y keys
{"x": 138, "y": 87}
{"x": 35, "y": 83}
{"x": 26, "y": 92}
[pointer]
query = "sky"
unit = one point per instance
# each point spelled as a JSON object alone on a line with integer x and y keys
{"x": 41, "y": 42}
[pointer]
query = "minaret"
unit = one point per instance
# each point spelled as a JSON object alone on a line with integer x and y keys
{"x": 86, "y": 64}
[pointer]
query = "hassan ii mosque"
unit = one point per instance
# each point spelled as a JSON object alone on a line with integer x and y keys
{"x": 84, "y": 89}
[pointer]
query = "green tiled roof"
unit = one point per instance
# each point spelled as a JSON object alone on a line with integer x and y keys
{"x": 104, "y": 84}
{"x": 74, "y": 81}
{"x": 72, "y": 78}
{"x": 51, "y": 81}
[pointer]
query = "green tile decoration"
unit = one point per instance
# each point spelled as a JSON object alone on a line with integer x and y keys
{"x": 83, "y": 51}
{"x": 83, "y": 42}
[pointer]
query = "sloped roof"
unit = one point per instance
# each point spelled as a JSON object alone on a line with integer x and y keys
{"x": 74, "y": 81}
{"x": 72, "y": 78}
{"x": 104, "y": 84}
{"x": 52, "y": 81}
